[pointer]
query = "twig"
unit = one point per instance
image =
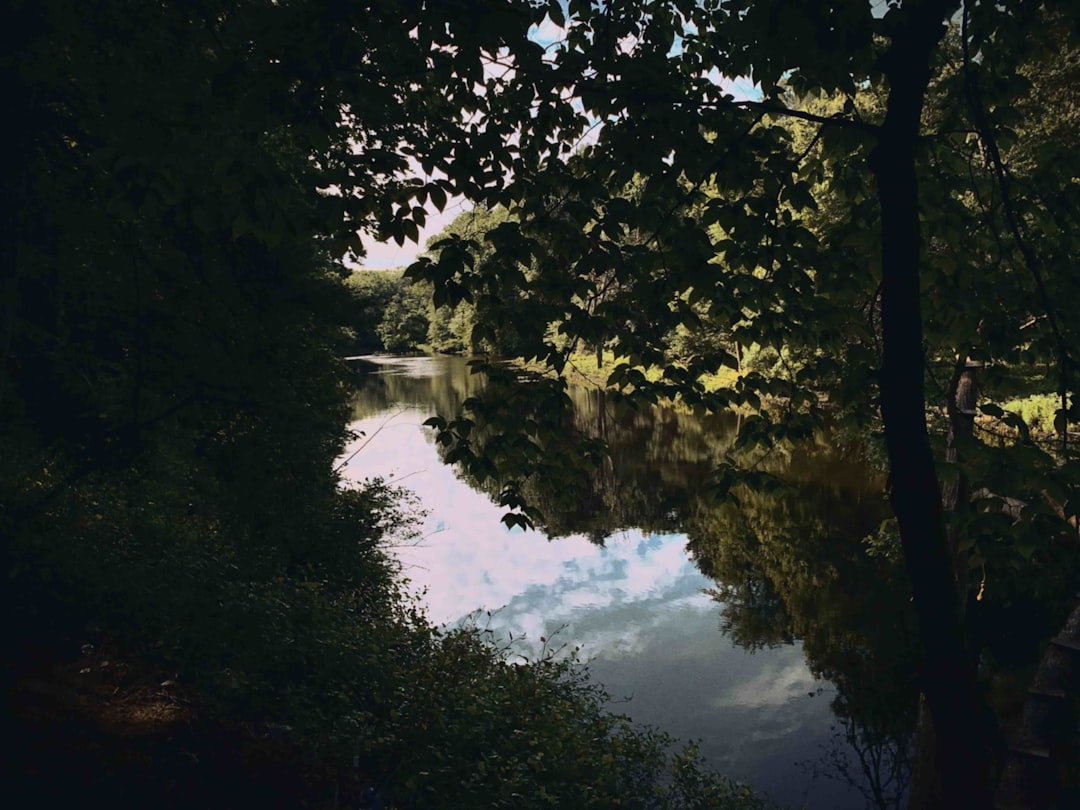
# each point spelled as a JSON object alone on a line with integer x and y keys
{"x": 353, "y": 455}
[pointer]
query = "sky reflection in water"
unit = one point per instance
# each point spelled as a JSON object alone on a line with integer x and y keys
{"x": 635, "y": 608}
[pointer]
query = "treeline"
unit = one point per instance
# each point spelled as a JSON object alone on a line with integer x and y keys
{"x": 184, "y": 181}
{"x": 391, "y": 312}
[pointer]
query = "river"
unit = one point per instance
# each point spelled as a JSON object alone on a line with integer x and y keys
{"x": 770, "y": 630}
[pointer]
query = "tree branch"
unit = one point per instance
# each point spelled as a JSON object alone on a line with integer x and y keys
{"x": 1015, "y": 224}
{"x": 772, "y": 108}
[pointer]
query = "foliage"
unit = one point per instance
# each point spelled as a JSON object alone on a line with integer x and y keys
{"x": 470, "y": 729}
{"x": 752, "y": 220}
{"x": 390, "y": 312}
{"x": 1039, "y": 412}
{"x": 479, "y": 323}
{"x": 370, "y": 293}
{"x": 331, "y": 650}
{"x": 185, "y": 178}
{"x": 404, "y": 323}
{"x": 887, "y": 205}
{"x": 184, "y": 182}
{"x": 386, "y": 312}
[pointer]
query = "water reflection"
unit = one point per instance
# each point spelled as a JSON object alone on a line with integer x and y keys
{"x": 784, "y": 569}
{"x": 806, "y": 690}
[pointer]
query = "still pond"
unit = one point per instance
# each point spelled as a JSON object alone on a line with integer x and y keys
{"x": 772, "y": 631}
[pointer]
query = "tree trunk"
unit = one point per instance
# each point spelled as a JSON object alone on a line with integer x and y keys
{"x": 948, "y": 678}
{"x": 960, "y": 402}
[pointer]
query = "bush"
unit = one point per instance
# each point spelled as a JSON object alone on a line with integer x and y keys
{"x": 319, "y": 637}
{"x": 470, "y": 729}
{"x": 1038, "y": 411}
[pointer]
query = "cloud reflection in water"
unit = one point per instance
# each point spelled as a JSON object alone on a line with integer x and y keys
{"x": 634, "y": 607}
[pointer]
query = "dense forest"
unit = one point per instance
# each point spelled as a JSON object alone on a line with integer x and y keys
{"x": 882, "y": 237}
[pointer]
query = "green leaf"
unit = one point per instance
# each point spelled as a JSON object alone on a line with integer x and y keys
{"x": 438, "y": 197}
{"x": 555, "y": 11}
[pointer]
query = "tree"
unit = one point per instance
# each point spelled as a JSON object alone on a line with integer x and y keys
{"x": 200, "y": 168}
{"x": 741, "y": 235}
{"x": 404, "y": 323}
{"x": 185, "y": 182}
{"x": 454, "y": 326}
{"x": 371, "y": 293}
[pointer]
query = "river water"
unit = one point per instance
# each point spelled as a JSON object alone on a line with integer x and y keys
{"x": 770, "y": 630}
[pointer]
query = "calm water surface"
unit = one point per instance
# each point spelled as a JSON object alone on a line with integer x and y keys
{"x": 756, "y": 629}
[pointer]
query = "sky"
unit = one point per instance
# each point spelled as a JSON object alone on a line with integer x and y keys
{"x": 387, "y": 255}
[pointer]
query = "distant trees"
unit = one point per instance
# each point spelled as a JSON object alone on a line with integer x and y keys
{"x": 395, "y": 313}
{"x": 370, "y": 294}
{"x": 474, "y": 321}
{"x": 404, "y": 324}
{"x": 386, "y": 311}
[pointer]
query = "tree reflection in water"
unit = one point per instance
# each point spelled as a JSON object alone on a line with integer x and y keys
{"x": 790, "y": 564}
{"x": 793, "y": 564}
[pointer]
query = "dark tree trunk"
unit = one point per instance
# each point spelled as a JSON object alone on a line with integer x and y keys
{"x": 961, "y": 399}
{"x": 960, "y": 402}
{"x": 948, "y": 678}
{"x": 925, "y": 792}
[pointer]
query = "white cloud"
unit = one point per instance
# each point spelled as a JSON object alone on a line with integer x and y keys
{"x": 548, "y": 33}
{"x": 773, "y": 686}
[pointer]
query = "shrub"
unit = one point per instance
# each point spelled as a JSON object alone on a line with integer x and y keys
{"x": 320, "y": 638}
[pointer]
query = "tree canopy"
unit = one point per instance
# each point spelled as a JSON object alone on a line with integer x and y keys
{"x": 889, "y": 204}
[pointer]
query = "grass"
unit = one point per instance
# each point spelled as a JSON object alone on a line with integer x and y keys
{"x": 1038, "y": 411}
{"x": 582, "y": 369}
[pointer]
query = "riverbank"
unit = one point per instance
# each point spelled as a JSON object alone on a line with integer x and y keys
{"x": 96, "y": 726}
{"x": 1038, "y": 411}
{"x": 157, "y": 664}
{"x": 583, "y": 369}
